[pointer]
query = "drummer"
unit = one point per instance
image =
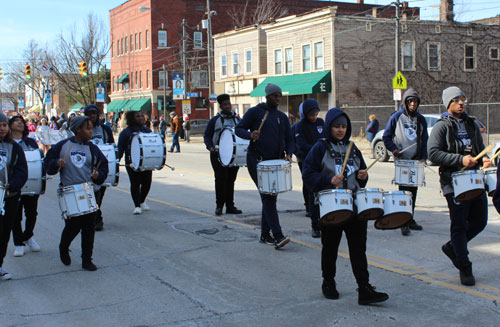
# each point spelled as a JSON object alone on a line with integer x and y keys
{"x": 13, "y": 175}
{"x": 273, "y": 141}
{"x": 224, "y": 176}
{"x": 101, "y": 134}
{"x": 407, "y": 127}
{"x": 19, "y": 131}
{"x": 455, "y": 141}
{"x": 323, "y": 171}
{"x": 140, "y": 181}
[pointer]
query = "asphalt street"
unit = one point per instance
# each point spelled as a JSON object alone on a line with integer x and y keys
{"x": 180, "y": 265}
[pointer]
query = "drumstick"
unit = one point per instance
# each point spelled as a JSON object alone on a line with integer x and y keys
{"x": 373, "y": 163}
{"x": 408, "y": 147}
{"x": 481, "y": 154}
{"x": 262, "y": 123}
{"x": 349, "y": 147}
{"x": 493, "y": 158}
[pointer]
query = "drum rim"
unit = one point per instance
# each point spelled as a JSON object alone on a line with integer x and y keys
{"x": 233, "y": 155}
{"x": 398, "y": 192}
{"x": 335, "y": 190}
{"x": 370, "y": 190}
{"x": 467, "y": 172}
{"x": 284, "y": 162}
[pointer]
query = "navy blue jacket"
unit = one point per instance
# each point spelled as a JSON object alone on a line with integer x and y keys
{"x": 306, "y": 135}
{"x": 109, "y": 133}
{"x": 312, "y": 174}
{"x": 30, "y": 142}
{"x": 54, "y": 154}
{"x": 372, "y": 129}
{"x": 210, "y": 129}
{"x": 269, "y": 143}
{"x": 390, "y": 129}
{"x": 18, "y": 169}
{"x": 125, "y": 138}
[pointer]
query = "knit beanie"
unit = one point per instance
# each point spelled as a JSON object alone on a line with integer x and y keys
{"x": 450, "y": 93}
{"x": 77, "y": 122}
{"x": 89, "y": 108}
{"x": 272, "y": 88}
{"x": 3, "y": 118}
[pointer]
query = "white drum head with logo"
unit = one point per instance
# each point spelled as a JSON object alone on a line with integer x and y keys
{"x": 135, "y": 152}
{"x": 226, "y": 147}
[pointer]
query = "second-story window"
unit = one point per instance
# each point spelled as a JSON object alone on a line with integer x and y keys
{"x": 140, "y": 41}
{"x": 223, "y": 65}
{"x": 288, "y": 60}
{"x": 318, "y": 56}
{"x": 469, "y": 56}
{"x": 148, "y": 78}
{"x": 198, "y": 40}
{"x": 434, "y": 55}
{"x": 235, "y": 64}
{"x": 278, "y": 61}
{"x": 162, "y": 38}
{"x": 147, "y": 39}
{"x": 408, "y": 55}
{"x": 306, "y": 58}
{"x": 248, "y": 61}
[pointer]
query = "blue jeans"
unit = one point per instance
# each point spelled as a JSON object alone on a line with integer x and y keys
{"x": 175, "y": 142}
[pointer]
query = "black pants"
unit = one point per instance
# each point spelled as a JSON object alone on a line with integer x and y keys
{"x": 72, "y": 226}
{"x": 305, "y": 191}
{"x": 30, "y": 204}
{"x": 6, "y": 222}
{"x": 413, "y": 190}
{"x": 224, "y": 182}
{"x": 140, "y": 184}
{"x": 468, "y": 219}
{"x": 99, "y": 195}
{"x": 355, "y": 231}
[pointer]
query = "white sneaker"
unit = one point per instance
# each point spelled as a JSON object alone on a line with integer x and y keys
{"x": 19, "y": 251}
{"x": 4, "y": 275}
{"x": 144, "y": 206}
{"x": 33, "y": 245}
{"x": 137, "y": 211}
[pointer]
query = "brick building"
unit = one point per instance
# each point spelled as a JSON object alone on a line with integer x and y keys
{"x": 147, "y": 45}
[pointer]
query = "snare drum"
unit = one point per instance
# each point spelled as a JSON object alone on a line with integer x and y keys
{"x": 409, "y": 172}
{"x": 490, "y": 180}
{"x": 274, "y": 176}
{"x": 147, "y": 152}
{"x": 77, "y": 200}
{"x": 35, "y": 184}
{"x": 370, "y": 203}
{"x": 232, "y": 149}
{"x": 110, "y": 151}
{"x": 467, "y": 185}
{"x": 335, "y": 206}
{"x": 397, "y": 210}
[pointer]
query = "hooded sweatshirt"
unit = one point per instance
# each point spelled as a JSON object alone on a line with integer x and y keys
{"x": 270, "y": 144}
{"x": 403, "y": 130}
{"x": 13, "y": 167}
{"x": 306, "y": 134}
{"x": 321, "y": 166}
{"x": 215, "y": 127}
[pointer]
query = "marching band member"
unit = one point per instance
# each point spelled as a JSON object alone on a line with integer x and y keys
{"x": 224, "y": 176}
{"x": 274, "y": 141}
{"x": 84, "y": 163}
{"x": 13, "y": 175}
{"x": 101, "y": 134}
{"x": 322, "y": 170}
{"x": 140, "y": 181}
{"x": 19, "y": 132}
{"x": 406, "y": 127}
{"x": 454, "y": 142}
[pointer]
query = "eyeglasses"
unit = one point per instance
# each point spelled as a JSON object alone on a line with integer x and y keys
{"x": 458, "y": 99}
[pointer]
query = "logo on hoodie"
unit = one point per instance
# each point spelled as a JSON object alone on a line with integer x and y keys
{"x": 320, "y": 129}
{"x": 97, "y": 140}
{"x": 78, "y": 158}
{"x": 3, "y": 159}
{"x": 410, "y": 130}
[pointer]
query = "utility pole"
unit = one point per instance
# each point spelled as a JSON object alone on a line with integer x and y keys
{"x": 164, "y": 102}
{"x": 396, "y": 47}
{"x": 209, "y": 48}
{"x": 184, "y": 59}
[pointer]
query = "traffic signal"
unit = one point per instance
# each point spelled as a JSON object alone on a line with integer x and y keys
{"x": 1, "y": 72}
{"x": 27, "y": 71}
{"x": 83, "y": 68}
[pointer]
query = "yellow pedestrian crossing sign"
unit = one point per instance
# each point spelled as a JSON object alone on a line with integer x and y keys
{"x": 399, "y": 82}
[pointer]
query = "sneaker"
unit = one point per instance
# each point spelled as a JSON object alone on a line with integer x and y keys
{"x": 19, "y": 251}
{"x": 281, "y": 241}
{"x": 218, "y": 211}
{"x": 89, "y": 265}
{"x": 99, "y": 226}
{"x": 414, "y": 225}
{"x": 308, "y": 214}
{"x": 405, "y": 230}
{"x": 137, "y": 210}
{"x": 233, "y": 210}
{"x": 368, "y": 295}
{"x": 267, "y": 239}
{"x": 33, "y": 245}
{"x": 329, "y": 289}
{"x": 466, "y": 276}
{"x": 316, "y": 233}
{"x": 64, "y": 255}
{"x": 145, "y": 207}
{"x": 450, "y": 253}
{"x": 4, "y": 275}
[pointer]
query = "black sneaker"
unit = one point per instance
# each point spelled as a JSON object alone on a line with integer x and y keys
{"x": 405, "y": 230}
{"x": 89, "y": 265}
{"x": 308, "y": 214}
{"x": 281, "y": 241}
{"x": 267, "y": 239}
{"x": 368, "y": 295}
{"x": 448, "y": 250}
{"x": 414, "y": 225}
{"x": 233, "y": 210}
{"x": 316, "y": 233}
{"x": 64, "y": 255}
{"x": 466, "y": 276}
{"x": 99, "y": 226}
{"x": 329, "y": 289}
{"x": 218, "y": 211}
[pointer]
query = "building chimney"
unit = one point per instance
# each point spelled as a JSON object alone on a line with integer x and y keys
{"x": 374, "y": 12}
{"x": 446, "y": 11}
{"x": 361, "y": 2}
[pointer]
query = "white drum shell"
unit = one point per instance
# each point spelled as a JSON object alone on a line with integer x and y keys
{"x": 274, "y": 176}
{"x": 2, "y": 197}
{"x": 409, "y": 172}
{"x": 110, "y": 152}
{"x": 232, "y": 149}
{"x": 77, "y": 200}
{"x": 334, "y": 200}
{"x": 466, "y": 181}
{"x": 35, "y": 184}
{"x": 147, "y": 152}
{"x": 371, "y": 198}
{"x": 490, "y": 179}
{"x": 397, "y": 201}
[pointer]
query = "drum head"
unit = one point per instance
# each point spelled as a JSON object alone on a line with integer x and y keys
{"x": 393, "y": 221}
{"x": 226, "y": 147}
{"x": 336, "y": 218}
{"x": 371, "y": 214}
{"x": 470, "y": 195}
{"x": 135, "y": 152}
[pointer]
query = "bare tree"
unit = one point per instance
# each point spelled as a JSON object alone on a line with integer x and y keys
{"x": 262, "y": 12}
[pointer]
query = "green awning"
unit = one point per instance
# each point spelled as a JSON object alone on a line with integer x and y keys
{"x": 76, "y": 107}
{"x": 320, "y": 82}
{"x": 123, "y": 78}
{"x": 141, "y": 104}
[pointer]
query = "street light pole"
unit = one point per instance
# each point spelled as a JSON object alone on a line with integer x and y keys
{"x": 184, "y": 59}
{"x": 164, "y": 91}
{"x": 396, "y": 47}
{"x": 209, "y": 48}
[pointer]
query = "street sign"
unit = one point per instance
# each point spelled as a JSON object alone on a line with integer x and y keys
{"x": 100, "y": 92}
{"x": 20, "y": 102}
{"x": 48, "y": 96}
{"x": 186, "y": 107}
{"x": 45, "y": 70}
{"x": 396, "y": 94}
{"x": 399, "y": 82}
{"x": 193, "y": 95}
{"x": 178, "y": 86}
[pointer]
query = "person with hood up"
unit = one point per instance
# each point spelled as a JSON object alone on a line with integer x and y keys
{"x": 101, "y": 134}
{"x": 322, "y": 170}
{"x": 273, "y": 141}
{"x": 307, "y": 132}
{"x": 455, "y": 141}
{"x": 78, "y": 161}
{"x": 405, "y": 128}
{"x": 224, "y": 176}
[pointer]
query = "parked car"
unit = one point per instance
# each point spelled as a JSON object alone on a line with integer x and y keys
{"x": 378, "y": 146}
{"x": 198, "y": 126}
